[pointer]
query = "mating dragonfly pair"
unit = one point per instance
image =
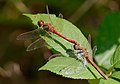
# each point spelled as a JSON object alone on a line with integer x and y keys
{"x": 48, "y": 27}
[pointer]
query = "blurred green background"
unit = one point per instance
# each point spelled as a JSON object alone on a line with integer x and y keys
{"x": 20, "y": 67}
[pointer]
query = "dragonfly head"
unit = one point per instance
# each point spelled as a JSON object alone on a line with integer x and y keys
{"x": 40, "y": 23}
{"x": 45, "y": 26}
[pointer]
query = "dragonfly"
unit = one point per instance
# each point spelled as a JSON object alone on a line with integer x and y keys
{"x": 35, "y": 34}
{"x": 48, "y": 27}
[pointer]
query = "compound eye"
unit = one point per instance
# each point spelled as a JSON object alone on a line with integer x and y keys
{"x": 40, "y": 23}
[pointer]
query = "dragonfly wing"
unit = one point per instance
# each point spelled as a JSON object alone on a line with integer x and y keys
{"x": 28, "y": 35}
{"x": 58, "y": 24}
{"x": 35, "y": 45}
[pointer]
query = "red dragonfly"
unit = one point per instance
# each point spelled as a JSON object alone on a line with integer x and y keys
{"x": 35, "y": 33}
{"x": 48, "y": 27}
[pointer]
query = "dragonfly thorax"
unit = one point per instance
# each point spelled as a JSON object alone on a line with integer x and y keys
{"x": 46, "y": 27}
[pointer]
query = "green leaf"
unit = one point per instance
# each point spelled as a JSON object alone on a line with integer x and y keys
{"x": 115, "y": 60}
{"x": 116, "y": 75}
{"x": 71, "y": 68}
{"x": 108, "y": 33}
{"x": 103, "y": 59}
{"x": 64, "y": 27}
{"x": 67, "y": 67}
{"x": 108, "y": 39}
{"x": 109, "y": 81}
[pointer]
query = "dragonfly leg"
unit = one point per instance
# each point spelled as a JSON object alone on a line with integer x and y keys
{"x": 60, "y": 15}
{"x": 53, "y": 56}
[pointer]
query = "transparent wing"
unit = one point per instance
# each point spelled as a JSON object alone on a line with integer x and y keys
{"x": 58, "y": 24}
{"x": 69, "y": 70}
{"x": 36, "y": 44}
{"x": 28, "y": 35}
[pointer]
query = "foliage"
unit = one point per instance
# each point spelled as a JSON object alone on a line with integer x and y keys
{"x": 108, "y": 39}
{"x": 21, "y": 67}
{"x": 67, "y": 64}
{"x": 60, "y": 45}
